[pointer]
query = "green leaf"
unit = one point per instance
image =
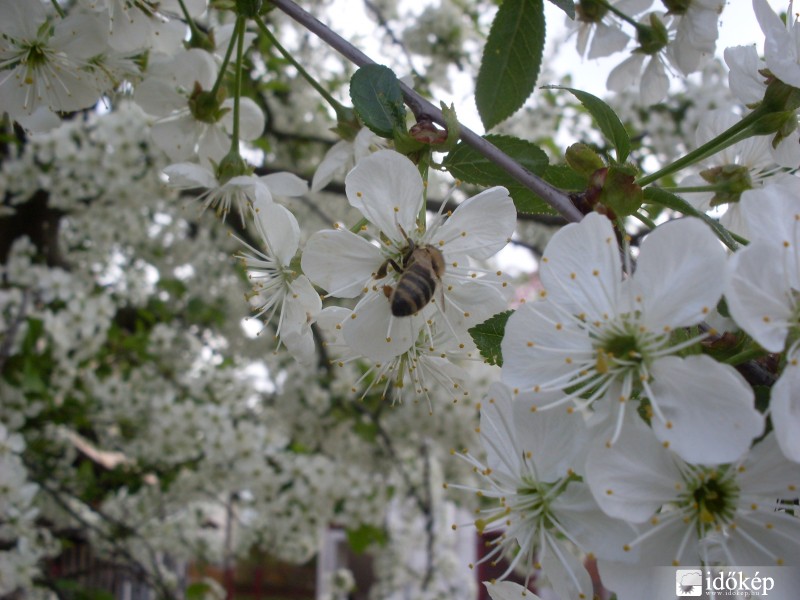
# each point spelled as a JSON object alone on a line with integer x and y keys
{"x": 664, "y": 198}
{"x": 360, "y": 539}
{"x": 511, "y": 60}
{"x": 568, "y": 6}
{"x": 469, "y": 165}
{"x": 489, "y": 335}
{"x": 608, "y": 121}
{"x": 564, "y": 178}
{"x": 378, "y": 100}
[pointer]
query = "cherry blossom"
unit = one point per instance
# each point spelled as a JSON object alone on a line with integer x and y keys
{"x": 387, "y": 188}
{"x": 532, "y": 469}
{"x": 728, "y": 514}
{"x": 277, "y": 286}
{"x": 610, "y": 341}
{"x": 241, "y": 191}
{"x": 48, "y": 66}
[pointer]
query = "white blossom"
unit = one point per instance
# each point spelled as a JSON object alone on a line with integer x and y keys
{"x": 610, "y": 341}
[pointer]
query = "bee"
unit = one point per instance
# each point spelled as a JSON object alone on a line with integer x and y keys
{"x": 420, "y": 270}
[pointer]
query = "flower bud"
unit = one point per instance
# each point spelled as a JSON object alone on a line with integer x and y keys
{"x": 583, "y": 160}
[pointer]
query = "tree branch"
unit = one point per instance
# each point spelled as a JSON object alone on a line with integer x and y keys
{"x": 423, "y": 109}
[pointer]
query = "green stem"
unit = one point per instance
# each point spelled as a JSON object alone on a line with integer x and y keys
{"x": 644, "y": 219}
{"x": 745, "y": 355}
{"x": 192, "y": 27}
{"x": 226, "y": 59}
{"x": 58, "y": 8}
{"x": 695, "y": 188}
{"x": 335, "y": 104}
{"x": 730, "y": 136}
{"x": 237, "y": 92}
{"x": 619, "y": 13}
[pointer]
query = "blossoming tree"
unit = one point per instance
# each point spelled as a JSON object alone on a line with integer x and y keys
{"x": 634, "y": 404}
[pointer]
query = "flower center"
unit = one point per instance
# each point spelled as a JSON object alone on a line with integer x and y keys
{"x": 711, "y": 496}
{"x": 626, "y": 344}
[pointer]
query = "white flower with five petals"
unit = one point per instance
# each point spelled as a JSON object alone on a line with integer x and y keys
{"x": 534, "y": 461}
{"x": 388, "y": 190}
{"x": 736, "y": 514}
{"x": 609, "y": 341}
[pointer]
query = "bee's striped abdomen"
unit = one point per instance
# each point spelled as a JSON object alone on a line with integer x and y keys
{"x": 414, "y": 290}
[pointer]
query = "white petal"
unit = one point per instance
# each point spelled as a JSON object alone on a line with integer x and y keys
{"x": 251, "y": 118}
{"x": 780, "y": 46}
{"x": 655, "y": 83}
{"x": 554, "y": 440}
{"x": 335, "y": 160}
{"x": 213, "y": 145}
{"x": 785, "y": 411}
{"x": 625, "y": 74}
{"x": 694, "y": 392}
{"x": 387, "y": 188}
{"x": 177, "y": 137}
{"x": 340, "y": 262}
{"x": 607, "y": 40}
{"x": 765, "y": 538}
{"x": 744, "y": 79}
{"x": 480, "y": 226}
{"x": 565, "y": 572}
{"x": 595, "y": 531}
{"x": 531, "y": 334}
{"x": 633, "y": 478}
{"x": 680, "y": 274}
{"x": 189, "y": 175}
{"x": 759, "y": 295}
{"x": 508, "y": 590}
{"x": 280, "y": 230}
{"x": 766, "y": 473}
{"x": 581, "y": 268}
{"x": 285, "y": 184}
{"x": 375, "y": 333}
{"x": 498, "y": 432}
